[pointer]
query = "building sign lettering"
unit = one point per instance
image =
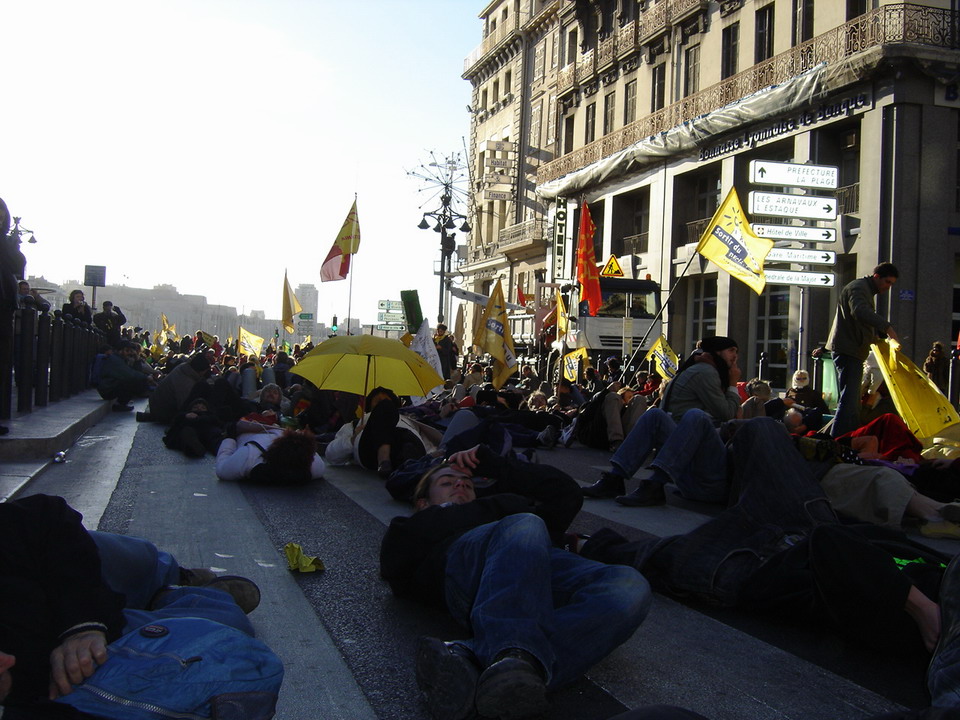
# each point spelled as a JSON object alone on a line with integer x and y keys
{"x": 560, "y": 239}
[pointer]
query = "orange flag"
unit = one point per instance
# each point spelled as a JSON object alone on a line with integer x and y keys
{"x": 587, "y": 274}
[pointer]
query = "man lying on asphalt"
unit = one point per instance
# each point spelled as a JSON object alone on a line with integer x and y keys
{"x": 539, "y": 615}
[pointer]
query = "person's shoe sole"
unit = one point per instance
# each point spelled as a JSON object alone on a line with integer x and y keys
{"x": 511, "y": 689}
{"x": 448, "y": 681}
{"x": 632, "y": 500}
{"x": 244, "y": 591}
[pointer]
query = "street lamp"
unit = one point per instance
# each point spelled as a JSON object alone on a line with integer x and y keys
{"x": 445, "y": 178}
{"x": 17, "y": 232}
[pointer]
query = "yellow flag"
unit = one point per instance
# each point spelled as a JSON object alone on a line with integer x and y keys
{"x": 730, "y": 243}
{"x": 563, "y": 322}
{"x": 918, "y": 400}
{"x": 250, "y": 344}
{"x": 571, "y": 363}
{"x": 494, "y": 337}
{"x": 666, "y": 360}
{"x": 291, "y": 306}
{"x": 207, "y": 338}
{"x": 163, "y": 319}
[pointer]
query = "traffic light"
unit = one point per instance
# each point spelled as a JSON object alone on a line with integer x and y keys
{"x": 333, "y": 325}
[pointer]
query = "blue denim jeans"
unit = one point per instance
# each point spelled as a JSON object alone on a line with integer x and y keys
{"x": 513, "y": 589}
{"x": 200, "y": 602}
{"x": 134, "y": 567}
{"x": 690, "y": 452}
{"x": 849, "y": 380}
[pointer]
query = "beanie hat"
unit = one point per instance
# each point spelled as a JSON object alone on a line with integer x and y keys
{"x": 717, "y": 343}
{"x": 199, "y": 362}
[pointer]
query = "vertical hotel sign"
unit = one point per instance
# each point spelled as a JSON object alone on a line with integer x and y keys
{"x": 560, "y": 239}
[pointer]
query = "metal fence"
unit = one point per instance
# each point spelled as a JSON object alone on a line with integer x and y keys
{"x": 44, "y": 357}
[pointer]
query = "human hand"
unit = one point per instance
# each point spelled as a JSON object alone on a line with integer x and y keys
{"x": 465, "y": 460}
{"x": 734, "y": 375}
{"x": 892, "y": 334}
{"x": 76, "y": 659}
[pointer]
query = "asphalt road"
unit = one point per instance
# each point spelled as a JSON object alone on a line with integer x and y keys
{"x": 347, "y": 644}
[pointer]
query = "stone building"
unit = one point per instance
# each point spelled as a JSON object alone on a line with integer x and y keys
{"x": 651, "y": 111}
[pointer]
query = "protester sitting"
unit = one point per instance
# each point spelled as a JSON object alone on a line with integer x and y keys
{"x": 622, "y": 407}
{"x": 753, "y": 406}
{"x": 119, "y": 380}
{"x": 781, "y": 550}
{"x": 802, "y": 394}
{"x": 539, "y": 616}
{"x": 706, "y": 380}
{"x": 266, "y": 453}
{"x": 173, "y": 391}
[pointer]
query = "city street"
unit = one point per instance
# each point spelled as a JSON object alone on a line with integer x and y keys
{"x": 348, "y": 645}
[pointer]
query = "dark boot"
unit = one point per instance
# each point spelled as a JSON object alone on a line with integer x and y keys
{"x": 513, "y": 687}
{"x": 647, "y": 494}
{"x": 608, "y": 486}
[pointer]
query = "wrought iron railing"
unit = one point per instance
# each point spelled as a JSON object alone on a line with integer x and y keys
{"x": 848, "y": 199}
{"x": 528, "y": 231}
{"x": 887, "y": 25}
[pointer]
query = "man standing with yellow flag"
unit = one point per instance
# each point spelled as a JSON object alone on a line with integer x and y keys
{"x": 291, "y": 306}
{"x": 730, "y": 243}
{"x": 494, "y": 337}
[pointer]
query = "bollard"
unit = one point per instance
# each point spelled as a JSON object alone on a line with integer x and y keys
{"x": 43, "y": 360}
{"x": 56, "y": 357}
{"x": 24, "y": 362}
{"x": 763, "y": 365}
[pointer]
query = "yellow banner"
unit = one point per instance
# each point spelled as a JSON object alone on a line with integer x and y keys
{"x": 730, "y": 243}
{"x": 918, "y": 400}
{"x": 571, "y": 363}
{"x": 250, "y": 344}
{"x": 291, "y": 306}
{"x": 665, "y": 359}
{"x": 494, "y": 337}
{"x": 563, "y": 322}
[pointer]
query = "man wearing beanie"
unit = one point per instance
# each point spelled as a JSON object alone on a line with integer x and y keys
{"x": 175, "y": 389}
{"x": 707, "y": 380}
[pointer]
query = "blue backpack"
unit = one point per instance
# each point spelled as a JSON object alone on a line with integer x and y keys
{"x": 183, "y": 668}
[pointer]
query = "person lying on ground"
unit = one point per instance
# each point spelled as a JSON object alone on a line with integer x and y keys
{"x": 538, "y": 616}
{"x": 267, "y": 453}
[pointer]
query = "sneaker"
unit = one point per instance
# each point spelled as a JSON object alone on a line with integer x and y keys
{"x": 568, "y": 435}
{"x": 196, "y": 577}
{"x": 447, "y": 676}
{"x": 608, "y": 486}
{"x": 951, "y": 512}
{"x": 513, "y": 687}
{"x": 384, "y": 469}
{"x": 647, "y": 494}
{"x": 243, "y": 591}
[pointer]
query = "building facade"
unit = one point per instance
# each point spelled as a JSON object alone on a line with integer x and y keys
{"x": 651, "y": 111}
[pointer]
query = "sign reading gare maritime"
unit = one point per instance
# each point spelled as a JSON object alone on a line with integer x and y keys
{"x": 840, "y": 107}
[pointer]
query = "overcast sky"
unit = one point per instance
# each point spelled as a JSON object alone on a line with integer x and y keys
{"x": 211, "y": 144}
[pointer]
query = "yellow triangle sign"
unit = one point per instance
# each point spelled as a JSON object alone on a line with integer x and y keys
{"x": 612, "y": 268}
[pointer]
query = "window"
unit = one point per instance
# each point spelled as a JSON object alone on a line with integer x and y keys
{"x": 773, "y": 334}
{"x": 507, "y": 82}
{"x": 554, "y": 48}
{"x": 730, "y": 48}
{"x": 856, "y": 8}
{"x": 763, "y": 42}
{"x": 552, "y": 120}
{"x": 539, "y": 61}
{"x": 590, "y": 124}
{"x": 483, "y": 99}
{"x": 708, "y": 194}
{"x": 658, "y": 87}
{"x": 536, "y": 115}
{"x": 496, "y": 92}
{"x": 609, "y": 108}
{"x": 568, "y": 135}
{"x": 630, "y": 102}
{"x": 691, "y": 70}
{"x": 802, "y": 29}
{"x": 571, "y": 46}
{"x": 703, "y": 314}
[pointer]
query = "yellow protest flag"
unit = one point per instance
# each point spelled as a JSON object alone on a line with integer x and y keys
{"x": 571, "y": 362}
{"x": 249, "y": 343}
{"x": 563, "y": 321}
{"x": 919, "y": 402}
{"x": 163, "y": 319}
{"x": 291, "y": 306}
{"x": 665, "y": 359}
{"x": 731, "y": 244}
{"x": 494, "y": 337}
{"x": 336, "y": 266}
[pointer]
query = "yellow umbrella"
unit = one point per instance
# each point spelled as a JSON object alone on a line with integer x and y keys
{"x": 358, "y": 363}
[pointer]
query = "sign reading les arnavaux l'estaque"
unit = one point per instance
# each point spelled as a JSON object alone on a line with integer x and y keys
{"x": 793, "y": 206}
{"x": 845, "y": 105}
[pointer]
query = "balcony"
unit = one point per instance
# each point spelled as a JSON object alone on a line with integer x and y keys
{"x": 695, "y": 229}
{"x": 522, "y": 237}
{"x": 636, "y": 244}
{"x": 491, "y": 42}
{"x": 654, "y": 21}
{"x": 848, "y": 199}
{"x": 887, "y": 25}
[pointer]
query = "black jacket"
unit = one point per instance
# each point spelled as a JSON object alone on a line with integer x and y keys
{"x": 413, "y": 553}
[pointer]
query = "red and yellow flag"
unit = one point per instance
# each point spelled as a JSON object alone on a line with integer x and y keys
{"x": 337, "y": 264}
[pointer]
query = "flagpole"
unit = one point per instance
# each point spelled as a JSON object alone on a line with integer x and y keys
{"x": 350, "y": 290}
{"x": 656, "y": 317}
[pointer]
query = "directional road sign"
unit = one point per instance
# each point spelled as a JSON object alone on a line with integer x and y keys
{"x": 391, "y": 305}
{"x": 497, "y": 195}
{"x": 794, "y": 206}
{"x": 815, "y": 257}
{"x": 763, "y": 172}
{"x": 786, "y": 277}
{"x": 391, "y": 317}
{"x": 795, "y": 232}
{"x": 397, "y": 328}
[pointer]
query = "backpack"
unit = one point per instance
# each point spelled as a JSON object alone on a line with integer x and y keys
{"x": 182, "y": 668}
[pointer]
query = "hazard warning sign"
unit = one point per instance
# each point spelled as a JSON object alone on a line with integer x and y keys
{"x": 612, "y": 268}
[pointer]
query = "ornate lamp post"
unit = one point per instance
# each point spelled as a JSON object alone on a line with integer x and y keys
{"x": 445, "y": 179}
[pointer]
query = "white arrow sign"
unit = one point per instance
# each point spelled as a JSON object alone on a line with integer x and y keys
{"x": 786, "y": 277}
{"x": 763, "y": 172}
{"x": 391, "y": 305}
{"x": 795, "y": 232}
{"x": 391, "y": 317}
{"x": 817, "y": 257}
{"x": 794, "y": 206}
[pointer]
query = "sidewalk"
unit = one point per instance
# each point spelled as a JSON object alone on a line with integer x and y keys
{"x": 35, "y": 438}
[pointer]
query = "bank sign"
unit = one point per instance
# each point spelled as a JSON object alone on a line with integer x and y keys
{"x": 843, "y": 106}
